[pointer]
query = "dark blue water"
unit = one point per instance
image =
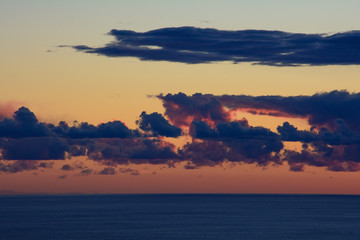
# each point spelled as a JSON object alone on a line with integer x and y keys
{"x": 180, "y": 217}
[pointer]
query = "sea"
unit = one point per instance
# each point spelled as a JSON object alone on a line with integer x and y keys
{"x": 180, "y": 216}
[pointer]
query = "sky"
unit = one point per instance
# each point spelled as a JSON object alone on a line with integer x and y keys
{"x": 179, "y": 96}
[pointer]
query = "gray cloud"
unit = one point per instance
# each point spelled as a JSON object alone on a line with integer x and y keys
{"x": 108, "y": 171}
{"x": 332, "y": 142}
{"x": 23, "y": 165}
{"x": 158, "y": 125}
{"x": 321, "y": 109}
{"x": 205, "y": 45}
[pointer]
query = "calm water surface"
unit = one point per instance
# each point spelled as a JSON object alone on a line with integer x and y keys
{"x": 213, "y": 216}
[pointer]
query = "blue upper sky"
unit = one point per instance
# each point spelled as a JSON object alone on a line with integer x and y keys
{"x": 290, "y": 15}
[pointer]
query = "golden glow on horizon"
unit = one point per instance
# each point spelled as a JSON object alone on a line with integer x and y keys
{"x": 220, "y": 179}
{"x": 62, "y": 84}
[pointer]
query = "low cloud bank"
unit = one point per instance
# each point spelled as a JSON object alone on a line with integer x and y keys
{"x": 206, "y": 121}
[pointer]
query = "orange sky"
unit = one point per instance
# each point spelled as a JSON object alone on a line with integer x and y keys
{"x": 62, "y": 84}
{"x": 220, "y": 179}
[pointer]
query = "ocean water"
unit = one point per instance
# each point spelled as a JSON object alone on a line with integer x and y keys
{"x": 180, "y": 216}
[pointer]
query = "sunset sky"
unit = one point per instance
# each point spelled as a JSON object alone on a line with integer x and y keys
{"x": 180, "y": 96}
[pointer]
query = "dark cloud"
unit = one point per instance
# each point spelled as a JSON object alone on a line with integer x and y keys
{"x": 199, "y": 129}
{"x": 290, "y": 133}
{"x": 190, "y": 166}
{"x": 240, "y": 143}
{"x": 158, "y": 125}
{"x": 182, "y": 109}
{"x": 23, "y": 124}
{"x": 46, "y": 164}
{"x": 126, "y": 170}
{"x": 131, "y": 171}
{"x": 334, "y": 139}
{"x": 231, "y": 130}
{"x": 206, "y": 153}
{"x": 135, "y": 173}
{"x": 40, "y": 148}
{"x": 321, "y": 109}
{"x": 344, "y": 158}
{"x": 23, "y": 165}
{"x": 198, "y": 45}
{"x": 136, "y": 150}
{"x": 108, "y": 171}
{"x": 214, "y": 152}
{"x": 86, "y": 172}
{"x": 154, "y": 152}
{"x": 340, "y": 135}
{"x": 77, "y": 150}
{"x": 297, "y": 167}
{"x": 115, "y": 129}
{"x": 333, "y": 142}
{"x": 23, "y": 137}
{"x": 18, "y": 166}
{"x": 259, "y": 151}
{"x": 25, "y": 116}
{"x": 67, "y": 167}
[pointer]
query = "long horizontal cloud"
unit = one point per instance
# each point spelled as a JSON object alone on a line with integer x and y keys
{"x": 40, "y": 148}
{"x": 27, "y": 165}
{"x": 334, "y": 158}
{"x": 24, "y": 123}
{"x": 23, "y": 137}
{"x": 333, "y": 141}
{"x": 230, "y": 130}
{"x": 340, "y": 135}
{"x": 235, "y": 142}
{"x": 212, "y": 152}
{"x": 213, "y": 135}
{"x": 321, "y": 109}
{"x": 197, "y": 45}
{"x": 136, "y": 151}
{"x": 337, "y": 150}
